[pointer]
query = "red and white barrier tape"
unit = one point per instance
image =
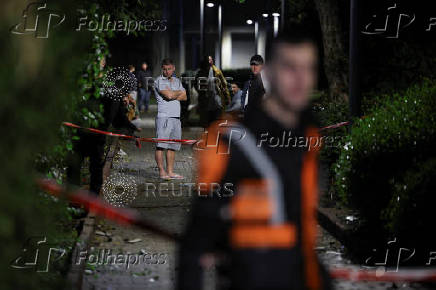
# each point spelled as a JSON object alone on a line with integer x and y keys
{"x": 334, "y": 126}
{"x": 128, "y": 216}
{"x": 410, "y": 275}
{"x": 99, "y": 207}
{"x": 138, "y": 139}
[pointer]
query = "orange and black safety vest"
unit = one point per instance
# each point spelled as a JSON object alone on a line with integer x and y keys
{"x": 256, "y": 208}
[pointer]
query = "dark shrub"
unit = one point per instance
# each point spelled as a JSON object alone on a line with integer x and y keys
{"x": 397, "y": 136}
{"x": 328, "y": 112}
{"x": 410, "y": 212}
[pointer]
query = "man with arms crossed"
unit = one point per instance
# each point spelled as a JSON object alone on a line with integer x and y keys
{"x": 169, "y": 92}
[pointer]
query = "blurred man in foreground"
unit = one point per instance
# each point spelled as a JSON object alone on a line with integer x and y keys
{"x": 261, "y": 233}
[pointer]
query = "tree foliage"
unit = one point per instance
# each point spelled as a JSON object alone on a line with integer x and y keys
{"x": 44, "y": 82}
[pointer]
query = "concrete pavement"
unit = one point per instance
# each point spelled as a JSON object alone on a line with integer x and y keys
{"x": 147, "y": 261}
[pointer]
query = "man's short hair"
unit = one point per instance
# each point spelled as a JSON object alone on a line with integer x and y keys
{"x": 167, "y": 61}
{"x": 131, "y": 66}
{"x": 292, "y": 35}
{"x": 144, "y": 62}
{"x": 256, "y": 60}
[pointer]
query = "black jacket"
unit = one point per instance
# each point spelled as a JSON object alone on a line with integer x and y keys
{"x": 115, "y": 115}
{"x": 255, "y": 91}
{"x": 142, "y": 77}
{"x": 115, "y": 118}
{"x": 260, "y": 262}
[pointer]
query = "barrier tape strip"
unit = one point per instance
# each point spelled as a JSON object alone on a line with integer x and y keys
{"x": 337, "y": 125}
{"x": 415, "y": 275}
{"x": 98, "y": 206}
{"x": 131, "y": 217}
{"x": 334, "y": 126}
{"x": 137, "y": 139}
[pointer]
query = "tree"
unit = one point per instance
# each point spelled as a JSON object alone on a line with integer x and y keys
{"x": 335, "y": 58}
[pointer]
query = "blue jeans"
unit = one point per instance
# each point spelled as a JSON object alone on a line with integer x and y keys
{"x": 143, "y": 99}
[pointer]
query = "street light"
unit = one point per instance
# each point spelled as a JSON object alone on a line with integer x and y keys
{"x": 201, "y": 29}
{"x": 276, "y": 23}
{"x": 265, "y": 15}
{"x": 210, "y": 4}
{"x": 220, "y": 34}
{"x": 249, "y": 21}
{"x": 256, "y": 35}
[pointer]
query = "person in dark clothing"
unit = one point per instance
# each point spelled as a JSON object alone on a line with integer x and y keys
{"x": 184, "y": 105}
{"x": 133, "y": 93}
{"x": 201, "y": 89}
{"x": 92, "y": 145}
{"x": 255, "y": 216}
{"x": 115, "y": 114}
{"x": 254, "y": 90}
{"x": 235, "y": 105}
{"x": 144, "y": 91}
{"x": 213, "y": 97}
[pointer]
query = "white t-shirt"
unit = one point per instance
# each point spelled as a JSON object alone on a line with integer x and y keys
{"x": 167, "y": 108}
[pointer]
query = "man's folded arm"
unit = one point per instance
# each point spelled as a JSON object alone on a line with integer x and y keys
{"x": 181, "y": 96}
{"x": 173, "y": 95}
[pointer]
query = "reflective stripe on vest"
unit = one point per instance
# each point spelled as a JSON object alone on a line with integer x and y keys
{"x": 266, "y": 168}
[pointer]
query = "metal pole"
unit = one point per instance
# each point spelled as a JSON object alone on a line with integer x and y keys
{"x": 181, "y": 39}
{"x": 220, "y": 35}
{"x": 201, "y": 29}
{"x": 354, "y": 66}
{"x": 282, "y": 15}
{"x": 256, "y": 35}
{"x": 276, "y": 25}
